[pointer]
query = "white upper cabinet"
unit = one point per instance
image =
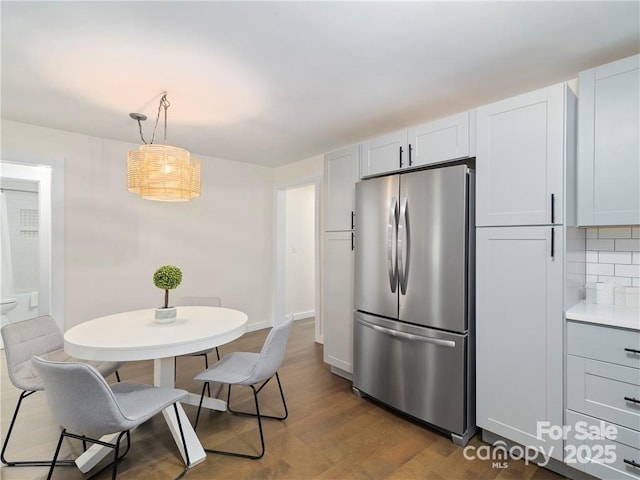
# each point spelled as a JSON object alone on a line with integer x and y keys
{"x": 383, "y": 154}
{"x": 340, "y": 177}
{"x": 520, "y": 158}
{"x": 442, "y": 140}
{"x": 609, "y": 144}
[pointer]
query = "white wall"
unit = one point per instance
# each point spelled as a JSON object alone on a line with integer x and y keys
{"x": 114, "y": 241}
{"x": 300, "y": 251}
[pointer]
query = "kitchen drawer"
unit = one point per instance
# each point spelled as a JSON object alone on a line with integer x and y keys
{"x": 590, "y": 455}
{"x": 599, "y": 389}
{"x": 604, "y": 343}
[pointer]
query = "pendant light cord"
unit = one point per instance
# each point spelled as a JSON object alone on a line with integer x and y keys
{"x": 164, "y": 103}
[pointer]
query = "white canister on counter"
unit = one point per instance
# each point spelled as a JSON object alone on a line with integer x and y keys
{"x": 600, "y": 292}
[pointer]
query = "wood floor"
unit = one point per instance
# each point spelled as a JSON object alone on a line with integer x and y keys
{"x": 330, "y": 433}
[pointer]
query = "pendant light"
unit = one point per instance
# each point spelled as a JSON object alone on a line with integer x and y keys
{"x": 159, "y": 171}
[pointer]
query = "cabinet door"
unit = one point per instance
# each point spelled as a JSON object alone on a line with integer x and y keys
{"x": 519, "y": 160}
{"x": 340, "y": 177}
{"x": 337, "y": 300}
{"x": 519, "y": 325}
{"x": 384, "y": 154}
{"x": 609, "y": 144}
{"x": 442, "y": 140}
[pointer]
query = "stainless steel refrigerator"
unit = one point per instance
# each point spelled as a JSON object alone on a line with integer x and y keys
{"x": 414, "y": 296}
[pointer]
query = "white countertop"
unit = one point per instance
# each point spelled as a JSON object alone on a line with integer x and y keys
{"x": 612, "y": 315}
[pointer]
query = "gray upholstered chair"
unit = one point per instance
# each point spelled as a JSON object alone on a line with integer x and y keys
{"x": 85, "y": 405}
{"x": 201, "y": 302}
{"x": 250, "y": 369}
{"x": 22, "y": 340}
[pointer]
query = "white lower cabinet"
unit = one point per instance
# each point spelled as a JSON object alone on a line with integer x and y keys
{"x": 519, "y": 325}
{"x": 603, "y": 400}
{"x": 337, "y": 299}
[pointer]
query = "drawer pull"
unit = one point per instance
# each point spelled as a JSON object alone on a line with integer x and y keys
{"x": 632, "y": 350}
{"x": 632, "y": 463}
{"x": 634, "y": 400}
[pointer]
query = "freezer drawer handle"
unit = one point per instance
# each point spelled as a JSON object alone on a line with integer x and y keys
{"x": 391, "y": 235}
{"x": 632, "y": 350}
{"x": 409, "y": 336}
{"x": 631, "y": 462}
{"x": 630, "y": 399}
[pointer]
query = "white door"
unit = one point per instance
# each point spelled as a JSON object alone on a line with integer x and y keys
{"x": 337, "y": 299}
{"x": 519, "y": 325}
{"x": 384, "y": 154}
{"x": 340, "y": 177}
{"x": 519, "y": 161}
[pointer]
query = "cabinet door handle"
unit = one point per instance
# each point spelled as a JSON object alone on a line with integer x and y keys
{"x": 353, "y": 223}
{"x": 632, "y": 350}
{"x": 410, "y": 150}
{"x": 400, "y": 156}
{"x": 632, "y": 399}
{"x": 353, "y": 241}
{"x": 553, "y": 208}
{"x": 631, "y": 462}
{"x": 553, "y": 241}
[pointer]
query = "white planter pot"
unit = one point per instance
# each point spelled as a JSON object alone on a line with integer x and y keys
{"x": 166, "y": 315}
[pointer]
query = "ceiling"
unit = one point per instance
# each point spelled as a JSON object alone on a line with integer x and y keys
{"x": 274, "y": 82}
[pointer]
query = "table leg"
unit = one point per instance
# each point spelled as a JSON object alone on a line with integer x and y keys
{"x": 95, "y": 453}
{"x": 163, "y": 376}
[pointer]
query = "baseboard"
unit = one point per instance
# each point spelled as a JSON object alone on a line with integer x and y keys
{"x": 303, "y": 315}
{"x": 252, "y": 327}
{"x": 341, "y": 373}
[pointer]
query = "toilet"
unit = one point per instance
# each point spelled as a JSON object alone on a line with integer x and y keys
{"x": 8, "y": 304}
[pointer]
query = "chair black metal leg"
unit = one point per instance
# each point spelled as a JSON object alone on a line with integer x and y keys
{"x": 195, "y": 425}
{"x": 117, "y": 376}
{"x": 218, "y": 353}
{"x": 184, "y": 444}
{"x": 24, "y": 463}
{"x": 250, "y": 414}
{"x": 55, "y": 455}
{"x": 206, "y": 367}
{"x": 257, "y": 414}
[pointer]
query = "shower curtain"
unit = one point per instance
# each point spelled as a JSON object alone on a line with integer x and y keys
{"x": 6, "y": 267}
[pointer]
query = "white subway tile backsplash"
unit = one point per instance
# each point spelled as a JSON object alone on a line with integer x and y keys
{"x": 627, "y": 245}
{"x": 600, "y": 269}
{"x": 624, "y": 281}
{"x": 627, "y": 271}
{"x": 617, "y": 232}
{"x": 592, "y": 256}
{"x": 613, "y": 254}
{"x": 592, "y": 233}
{"x": 598, "y": 244}
{"x": 614, "y": 257}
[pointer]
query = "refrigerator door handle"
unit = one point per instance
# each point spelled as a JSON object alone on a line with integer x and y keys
{"x": 404, "y": 246}
{"x": 410, "y": 336}
{"x": 392, "y": 226}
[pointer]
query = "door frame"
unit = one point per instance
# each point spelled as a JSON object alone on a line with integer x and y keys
{"x": 280, "y": 203}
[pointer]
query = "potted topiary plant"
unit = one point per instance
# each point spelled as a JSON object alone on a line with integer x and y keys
{"x": 166, "y": 278}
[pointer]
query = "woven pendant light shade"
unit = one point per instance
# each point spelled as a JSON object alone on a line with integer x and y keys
{"x": 163, "y": 173}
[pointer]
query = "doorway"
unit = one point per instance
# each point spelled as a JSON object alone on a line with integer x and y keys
{"x": 297, "y": 258}
{"x": 34, "y": 194}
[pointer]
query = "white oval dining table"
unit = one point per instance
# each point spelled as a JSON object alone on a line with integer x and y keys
{"x": 135, "y": 335}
